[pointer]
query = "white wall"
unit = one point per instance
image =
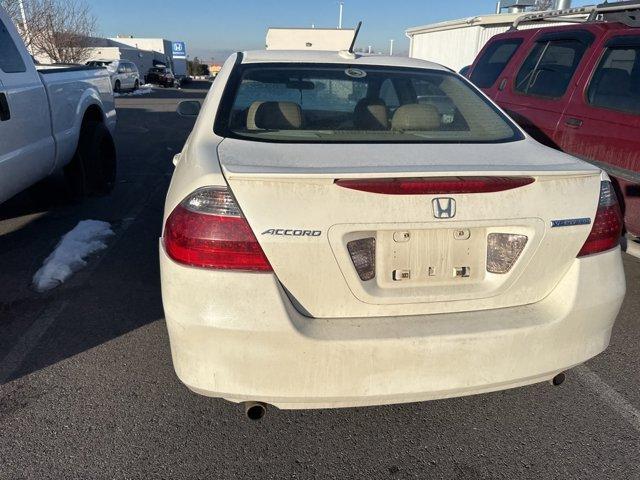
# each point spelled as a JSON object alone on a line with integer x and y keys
{"x": 454, "y": 48}
{"x": 160, "y": 46}
{"x": 153, "y": 44}
{"x": 459, "y": 47}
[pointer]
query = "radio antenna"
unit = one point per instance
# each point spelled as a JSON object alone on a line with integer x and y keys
{"x": 355, "y": 37}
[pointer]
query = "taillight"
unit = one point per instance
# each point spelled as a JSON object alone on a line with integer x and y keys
{"x": 607, "y": 227}
{"x": 435, "y": 185}
{"x": 208, "y": 230}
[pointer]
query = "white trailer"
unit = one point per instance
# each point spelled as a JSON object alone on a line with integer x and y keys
{"x": 330, "y": 39}
{"x": 456, "y": 43}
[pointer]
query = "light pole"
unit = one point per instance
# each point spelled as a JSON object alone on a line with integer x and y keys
{"x": 391, "y": 47}
{"x": 340, "y": 16}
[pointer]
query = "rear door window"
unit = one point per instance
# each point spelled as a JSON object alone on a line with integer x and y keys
{"x": 548, "y": 69}
{"x": 10, "y": 59}
{"x": 493, "y": 62}
{"x": 615, "y": 84}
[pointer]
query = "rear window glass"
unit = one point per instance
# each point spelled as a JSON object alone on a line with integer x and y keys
{"x": 10, "y": 59}
{"x": 493, "y": 62}
{"x": 335, "y": 103}
{"x": 548, "y": 69}
{"x": 616, "y": 83}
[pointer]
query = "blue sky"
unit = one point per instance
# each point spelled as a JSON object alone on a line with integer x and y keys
{"x": 213, "y": 28}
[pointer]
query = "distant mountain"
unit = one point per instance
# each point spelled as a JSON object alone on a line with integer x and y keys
{"x": 209, "y": 56}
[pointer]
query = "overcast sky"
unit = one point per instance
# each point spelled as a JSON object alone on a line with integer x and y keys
{"x": 213, "y": 28}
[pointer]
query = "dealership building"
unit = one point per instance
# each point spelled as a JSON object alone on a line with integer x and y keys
{"x": 145, "y": 53}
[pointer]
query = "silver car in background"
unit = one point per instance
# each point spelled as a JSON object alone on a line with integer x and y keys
{"x": 124, "y": 75}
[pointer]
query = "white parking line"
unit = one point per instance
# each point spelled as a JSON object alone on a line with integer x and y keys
{"x": 12, "y": 360}
{"x": 610, "y": 396}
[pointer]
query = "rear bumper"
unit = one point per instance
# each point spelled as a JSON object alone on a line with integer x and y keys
{"x": 237, "y": 336}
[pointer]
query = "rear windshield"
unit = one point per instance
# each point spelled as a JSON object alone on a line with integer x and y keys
{"x": 335, "y": 103}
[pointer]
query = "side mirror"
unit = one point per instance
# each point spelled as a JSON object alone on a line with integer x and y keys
{"x": 189, "y": 108}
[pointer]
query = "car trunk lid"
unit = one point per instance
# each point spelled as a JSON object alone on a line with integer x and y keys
{"x": 305, "y": 222}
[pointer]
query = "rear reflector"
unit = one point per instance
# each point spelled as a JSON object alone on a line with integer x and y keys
{"x": 363, "y": 256}
{"x": 503, "y": 250}
{"x": 208, "y": 230}
{"x": 607, "y": 227}
{"x": 435, "y": 185}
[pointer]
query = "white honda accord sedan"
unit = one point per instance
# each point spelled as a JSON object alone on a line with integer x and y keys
{"x": 348, "y": 230}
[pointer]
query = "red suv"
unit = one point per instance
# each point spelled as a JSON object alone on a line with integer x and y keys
{"x": 577, "y": 88}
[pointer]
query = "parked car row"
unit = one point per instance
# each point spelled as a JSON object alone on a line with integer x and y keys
{"x": 125, "y": 75}
{"x": 575, "y": 88}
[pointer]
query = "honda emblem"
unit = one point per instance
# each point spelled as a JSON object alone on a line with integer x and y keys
{"x": 444, "y": 207}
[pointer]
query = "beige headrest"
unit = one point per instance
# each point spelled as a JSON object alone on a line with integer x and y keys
{"x": 416, "y": 117}
{"x": 371, "y": 114}
{"x": 274, "y": 116}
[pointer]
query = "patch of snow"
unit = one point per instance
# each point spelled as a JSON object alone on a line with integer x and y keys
{"x": 69, "y": 256}
{"x": 145, "y": 89}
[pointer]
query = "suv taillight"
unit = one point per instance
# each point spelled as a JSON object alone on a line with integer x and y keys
{"x": 208, "y": 230}
{"x": 607, "y": 227}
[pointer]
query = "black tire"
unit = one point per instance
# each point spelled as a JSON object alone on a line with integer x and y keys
{"x": 92, "y": 171}
{"x": 136, "y": 85}
{"x": 117, "y": 86}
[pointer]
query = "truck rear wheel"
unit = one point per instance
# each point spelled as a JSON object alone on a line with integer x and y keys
{"x": 93, "y": 169}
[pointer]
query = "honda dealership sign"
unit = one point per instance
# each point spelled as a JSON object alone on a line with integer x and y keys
{"x": 179, "y": 50}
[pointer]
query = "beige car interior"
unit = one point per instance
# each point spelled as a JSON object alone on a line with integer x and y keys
{"x": 369, "y": 114}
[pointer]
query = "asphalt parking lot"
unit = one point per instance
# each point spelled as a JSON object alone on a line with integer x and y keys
{"x": 87, "y": 389}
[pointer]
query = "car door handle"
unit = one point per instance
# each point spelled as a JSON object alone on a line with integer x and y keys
{"x": 5, "y": 112}
{"x": 503, "y": 84}
{"x": 573, "y": 122}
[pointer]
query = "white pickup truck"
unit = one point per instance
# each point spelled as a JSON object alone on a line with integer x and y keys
{"x": 53, "y": 118}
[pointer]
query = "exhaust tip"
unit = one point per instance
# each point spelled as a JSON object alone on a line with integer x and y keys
{"x": 559, "y": 379}
{"x": 255, "y": 410}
